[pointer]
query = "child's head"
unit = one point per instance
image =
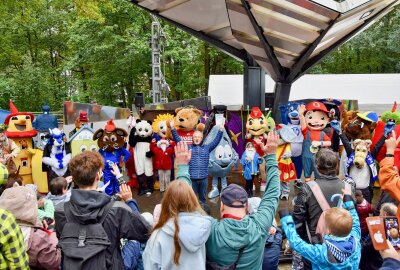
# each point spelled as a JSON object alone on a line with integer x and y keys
{"x": 58, "y": 186}
{"x": 338, "y": 222}
{"x": 197, "y": 137}
{"x": 359, "y": 196}
{"x": 394, "y": 233}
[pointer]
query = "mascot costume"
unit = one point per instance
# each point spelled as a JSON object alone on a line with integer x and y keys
{"x": 313, "y": 119}
{"x": 57, "y": 154}
{"x": 291, "y": 118}
{"x": 287, "y": 170}
{"x": 256, "y": 127}
{"x": 130, "y": 164}
{"x": 111, "y": 142}
{"x": 42, "y": 123}
{"x": 83, "y": 119}
{"x": 21, "y": 131}
{"x": 139, "y": 140}
{"x": 390, "y": 121}
{"x": 187, "y": 121}
{"x": 222, "y": 159}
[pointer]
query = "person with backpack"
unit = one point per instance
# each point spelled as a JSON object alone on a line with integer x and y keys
{"x": 307, "y": 208}
{"x": 237, "y": 241}
{"x": 91, "y": 224}
{"x": 341, "y": 248}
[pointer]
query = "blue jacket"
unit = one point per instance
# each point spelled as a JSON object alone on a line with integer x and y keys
{"x": 250, "y": 168}
{"x": 390, "y": 264}
{"x": 198, "y": 166}
{"x": 318, "y": 254}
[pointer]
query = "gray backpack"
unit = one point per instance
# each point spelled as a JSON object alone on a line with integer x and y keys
{"x": 84, "y": 245}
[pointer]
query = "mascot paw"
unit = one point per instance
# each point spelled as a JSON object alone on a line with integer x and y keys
{"x": 149, "y": 154}
{"x": 335, "y": 124}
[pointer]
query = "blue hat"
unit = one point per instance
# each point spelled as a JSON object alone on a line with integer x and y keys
{"x": 369, "y": 116}
{"x": 234, "y": 193}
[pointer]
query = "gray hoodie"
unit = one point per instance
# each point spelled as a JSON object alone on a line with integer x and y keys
{"x": 56, "y": 199}
{"x": 194, "y": 230}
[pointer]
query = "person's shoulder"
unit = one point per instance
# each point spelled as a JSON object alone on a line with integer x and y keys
{"x": 120, "y": 206}
{"x": 59, "y": 208}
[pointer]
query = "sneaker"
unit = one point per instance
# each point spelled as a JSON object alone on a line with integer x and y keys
{"x": 213, "y": 193}
{"x": 141, "y": 192}
{"x": 298, "y": 184}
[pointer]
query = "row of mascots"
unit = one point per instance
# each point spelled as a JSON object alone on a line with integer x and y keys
{"x": 37, "y": 150}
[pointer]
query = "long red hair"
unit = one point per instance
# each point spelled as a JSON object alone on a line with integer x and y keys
{"x": 179, "y": 197}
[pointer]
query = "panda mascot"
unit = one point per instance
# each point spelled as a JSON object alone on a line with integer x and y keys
{"x": 139, "y": 139}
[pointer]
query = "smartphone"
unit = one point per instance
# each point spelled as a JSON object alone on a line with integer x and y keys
{"x": 376, "y": 227}
{"x": 392, "y": 231}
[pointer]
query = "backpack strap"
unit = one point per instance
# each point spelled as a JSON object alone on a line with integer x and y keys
{"x": 319, "y": 196}
{"x": 238, "y": 257}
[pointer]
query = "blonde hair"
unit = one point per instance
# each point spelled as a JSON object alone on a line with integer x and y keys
{"x": 179, "y": 197}
{"x": 166, "y": 117}
{"x": 338, "y": 221}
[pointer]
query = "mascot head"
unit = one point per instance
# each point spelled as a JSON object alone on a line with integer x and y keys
{"x": 110, "y": 138}
{"x": 188, "y": 119}
{"x": 316, "y": 116}
{"x": 19, "y": 123}
{"x": 256, "y": 123}
{"x": 56, "y": 137}
{"x": 391, "y": 117}
{"x": 290, "y": 113}
{"x": 143, "y": 128}
{"x": 160, "y": 125}
{"x": 361, "y": 149}
{"x": 362, "y": 127}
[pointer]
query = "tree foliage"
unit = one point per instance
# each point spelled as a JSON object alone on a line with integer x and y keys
{"x": 85, "y": 50}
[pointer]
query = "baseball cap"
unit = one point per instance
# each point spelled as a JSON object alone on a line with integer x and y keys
{"x": 369, "y": 116}
{"x": 234, "y": 193}
{"x": 316, "y": 106}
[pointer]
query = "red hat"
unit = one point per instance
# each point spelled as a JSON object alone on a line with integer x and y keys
{"x": 316, "y": 106}
{"x": 256, "y": 112}
{"x": 83, "y": 116}
{"x": 110, "y": 127}
{"x": 14, "y": 112}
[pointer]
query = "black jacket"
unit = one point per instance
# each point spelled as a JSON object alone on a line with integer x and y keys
{"x": 87, "y": 206}
{"x": 307, "y": 209}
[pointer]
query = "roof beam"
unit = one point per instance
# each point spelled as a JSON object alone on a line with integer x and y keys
{"x": 230, "y": 50}
{"x": 296, "y": 69}
{"x": 316, "y": 59}
{"x": 277, "y": 67}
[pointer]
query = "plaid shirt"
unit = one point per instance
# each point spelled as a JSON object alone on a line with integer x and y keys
{"x": 13, "y": 255}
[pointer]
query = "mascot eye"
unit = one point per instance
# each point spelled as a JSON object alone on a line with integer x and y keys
{"x": 146, "y": 130}
{"x": 140, "y": 129}
{"x": 106, "y": 139}
{"x": 219, "y": 152}
{"x": 161, "y": 127}
{"x": 322, "y": 118}
{"x": 113, "y": 138}
{"x": 310, "y": 117}
{"x": 228, "y": 151}
{"x": 83, "y": 148}
{"x": 14, "y": 118}
{"x": 250, "y": 122}
{"x": 93, "y": 148}
{"x": 261, "y": 122}
{"x": 27, "y": 117}
{"x": 291, "y": 108}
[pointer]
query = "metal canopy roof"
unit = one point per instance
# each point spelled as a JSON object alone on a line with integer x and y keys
{"x": 284, "y": 37}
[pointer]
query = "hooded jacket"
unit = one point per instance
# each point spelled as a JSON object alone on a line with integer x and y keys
{"x": 194, "y": 230}
{"x": 87, "y": 207}
{"x": 228, "y": 236}
{"x": 57, "y": 199}
{"x": 390, "y": 180}
{"x": 344, "y": 252}
{"x": 42, "y": 249}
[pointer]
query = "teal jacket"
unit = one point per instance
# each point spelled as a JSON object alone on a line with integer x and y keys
{"x": 229, "y": 235}
{"x": 318, "y": 254}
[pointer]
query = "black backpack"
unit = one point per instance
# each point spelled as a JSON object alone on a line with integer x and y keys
{"x": 84, "y": 245}
{"x": 214, "y": 266}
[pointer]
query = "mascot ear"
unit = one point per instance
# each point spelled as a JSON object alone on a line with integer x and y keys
{"x": 150, "y": 122}
{"x": 368, "y": 143}
{"x": 121, "y": 132}
{"x": 198, "y": 112}
{"x": 178, "y": 109}
{"x": 98, "y": 134}
{"x": 138, "y": 121}
{"x": 356, "y": 142}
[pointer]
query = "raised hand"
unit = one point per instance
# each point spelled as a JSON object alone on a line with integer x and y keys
{"x": 125, "y": 193}
{"x": 272, "y": 143}
{"x": 182, "y": 153}
{"x": 172, "y": 124}
{"x": 392, "y": 143}
{"x": 302, "y": 109}
{"x": 335, "y": 124}
{"x": 115, "y": 170}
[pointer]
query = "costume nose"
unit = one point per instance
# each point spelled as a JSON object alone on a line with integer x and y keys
{"x": 181, "y": 119}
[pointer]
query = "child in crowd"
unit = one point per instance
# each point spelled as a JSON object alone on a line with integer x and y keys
{"x": 163, "y": 151}
{"x": 341, "y": 248}
{"x": 59, "y": 191}
{"x": 250, "y": 161}
{"x": 198, "y": 166}
{"x": 45, "y": 207}
{"x": 364, "y": 208}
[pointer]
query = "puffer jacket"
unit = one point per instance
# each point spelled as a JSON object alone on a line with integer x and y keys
{"x": 198, "y": 166}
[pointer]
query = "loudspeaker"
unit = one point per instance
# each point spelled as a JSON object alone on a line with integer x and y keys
{"x": 139, "y": 100}
{"x": 269, "y": 100}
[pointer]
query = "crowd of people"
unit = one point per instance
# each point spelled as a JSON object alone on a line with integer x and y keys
{"x": 90, "y": 219}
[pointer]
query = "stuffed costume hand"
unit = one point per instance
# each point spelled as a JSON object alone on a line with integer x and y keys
{"x": 335, "y": 124}
{"x": 389, "y": 127}
{"x": 287, "y": 155}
